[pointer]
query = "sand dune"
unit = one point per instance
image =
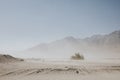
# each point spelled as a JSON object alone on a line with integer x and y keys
{"x": 60, "y": 70}
{"x": 8, "y": 58}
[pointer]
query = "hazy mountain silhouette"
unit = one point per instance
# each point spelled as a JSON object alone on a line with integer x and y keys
{"x": 98, "y": 45}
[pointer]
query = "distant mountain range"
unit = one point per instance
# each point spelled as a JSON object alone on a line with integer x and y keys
{"x": 96, "y": 46}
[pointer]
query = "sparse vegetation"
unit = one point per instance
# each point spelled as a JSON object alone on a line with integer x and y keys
{"x": 77, "y": 56}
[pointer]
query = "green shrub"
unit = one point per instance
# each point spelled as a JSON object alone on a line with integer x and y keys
{"x": 77, "y": 56}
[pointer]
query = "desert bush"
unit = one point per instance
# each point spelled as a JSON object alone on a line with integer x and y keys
{"x": 77, "y": 56}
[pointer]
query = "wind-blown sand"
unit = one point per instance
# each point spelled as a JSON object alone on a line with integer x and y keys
{"x": 60, "y": 70}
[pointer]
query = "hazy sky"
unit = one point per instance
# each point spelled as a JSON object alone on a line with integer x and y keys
{"x": 24, "y": 23}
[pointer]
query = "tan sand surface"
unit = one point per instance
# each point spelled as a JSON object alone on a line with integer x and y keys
{"x": 60, "y": 70}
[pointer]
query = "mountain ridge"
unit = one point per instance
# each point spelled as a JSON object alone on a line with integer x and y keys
{"x": 96, "y": 45}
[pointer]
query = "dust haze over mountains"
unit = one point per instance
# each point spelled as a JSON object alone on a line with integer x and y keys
{"x": 94, "y": 47}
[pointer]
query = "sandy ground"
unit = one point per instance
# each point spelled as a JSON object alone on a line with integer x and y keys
{"x": 60, "y": 70}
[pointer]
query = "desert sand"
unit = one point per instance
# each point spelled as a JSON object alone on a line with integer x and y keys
{"x": 31, "y": 69}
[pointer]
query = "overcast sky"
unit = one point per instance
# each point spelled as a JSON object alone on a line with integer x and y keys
{"x": 24, "y": 23}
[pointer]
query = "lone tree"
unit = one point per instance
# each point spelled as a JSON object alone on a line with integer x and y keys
{"x": 77, "y": 56}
